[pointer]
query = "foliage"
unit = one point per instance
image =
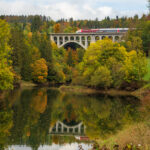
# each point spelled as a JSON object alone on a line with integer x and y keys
{"x": 146, "y": 36}
{"x": 39, "y": 71}
{"x": 6, "y": 75}
{"x": 36, "y": 23}
{"x": 105, "y": 117}
{"x": 30, "y": 41}
{"x": 139, "y": 38}
{"x": 134, "y": 68}
{"x": 28, "y": 57}
{"x": 17, "y": 44}
{"x": 70, "y": 29}
{"x": 45, "y": 48}
{"x": 57, "y": 28}
{"x": 107, "y": 64}
{"x": 56, "y": 74}
{"x": 101, "y": 77}
{"x": 80, "y": 54}
{"x": 6, "y": 123}
{"x": 134, "y": 43}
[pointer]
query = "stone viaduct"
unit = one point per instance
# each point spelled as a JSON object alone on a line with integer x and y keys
{"x": 82, "y": 39}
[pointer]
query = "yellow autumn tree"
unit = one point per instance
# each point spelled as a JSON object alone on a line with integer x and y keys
{"x": 39, "y": 71}
{"x": 108, "y": 64}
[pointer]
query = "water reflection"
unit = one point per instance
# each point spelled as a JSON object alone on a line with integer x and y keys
{"x": 61, "y": 128}
{"x": 33, "y": 118}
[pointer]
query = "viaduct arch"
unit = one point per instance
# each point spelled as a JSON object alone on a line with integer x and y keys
{"x": 83, "y": 39}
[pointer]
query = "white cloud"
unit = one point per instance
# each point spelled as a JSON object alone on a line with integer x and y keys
{"x": 78, "y": 9}
{"x": 106, "y": 11}
{"x": 89, "y": 9}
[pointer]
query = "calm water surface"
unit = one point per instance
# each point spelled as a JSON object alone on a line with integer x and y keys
{"x": 47, "y": 119}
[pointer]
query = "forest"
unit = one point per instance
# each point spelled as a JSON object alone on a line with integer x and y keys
{"x": 27, "y": 54}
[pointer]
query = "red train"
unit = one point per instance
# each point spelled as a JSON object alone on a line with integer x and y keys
{"x": 103, "y": 30}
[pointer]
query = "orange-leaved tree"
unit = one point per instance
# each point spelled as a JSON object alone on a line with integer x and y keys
{"x": 39, "y": 71}
{"x": 57, "y": 28}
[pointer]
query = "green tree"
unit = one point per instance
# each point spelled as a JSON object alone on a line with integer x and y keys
{"x": 146, "y": 37}
{"x": 36, "y": 23}
{"x": 17, "y": 44}
{"x": 80, "y": 53}
{"x": 135, "y": 43}
{"x": 45, "y": 48}
{"x": 69, "y": 58}
{"x": 68, "y": 29}
{"x": 29, "y": 54}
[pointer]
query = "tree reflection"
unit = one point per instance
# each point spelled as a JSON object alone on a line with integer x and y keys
{"x": 6, "y": 123}
{"x": 32, "y": 112}
{"x": 103, "y": 116}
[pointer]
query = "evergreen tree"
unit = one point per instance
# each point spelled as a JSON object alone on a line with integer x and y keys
{"x": 80, "y": 52}
{"x": 36, "y": 23}
{"x": 69, "y": 58}
{"x": 46, "y": 48}
{"x": 26, "y": 62}
{"x": 17, "y": 44}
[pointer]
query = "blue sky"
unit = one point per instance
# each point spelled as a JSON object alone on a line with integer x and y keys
{"x": 78, "y": 9}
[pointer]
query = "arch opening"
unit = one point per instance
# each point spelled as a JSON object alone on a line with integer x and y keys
{"x": 72, "y": 45}
{"x": 89, "y": 38}
{"x": 110, "y": 37}
{"x": 83, "y": 40}
{"x": 55, "y": 39}
{"x": 66, "y": 39}
{"x": 60, "y": 40}
{"x": 77, "y": 39}
{"x": 116, "y": 38}
{"x": 97, "y": 38}
{"x": 71, "y": 38}
{"x": 103, "y": 37}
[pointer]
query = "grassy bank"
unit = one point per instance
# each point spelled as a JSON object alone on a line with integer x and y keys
{"x": 86, "y": 90}
{"x": 142, "y": 92}
{"x": 27, "y": 84}
{"x": 135, "y": 136}
{"x": 147, "y": 76}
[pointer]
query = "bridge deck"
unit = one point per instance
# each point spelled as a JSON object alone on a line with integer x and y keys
{"x": 66, "y": 34}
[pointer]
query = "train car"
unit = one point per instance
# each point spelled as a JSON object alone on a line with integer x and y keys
{"x": 87, "y": 31}
{"x": 114, "y": 30}
{"x": 103, "y": 30}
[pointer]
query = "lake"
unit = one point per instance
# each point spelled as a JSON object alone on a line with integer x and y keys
{"x": 48, "y": 119}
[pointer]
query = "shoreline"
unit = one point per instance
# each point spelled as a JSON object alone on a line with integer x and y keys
{"x": 142, "y": 93}
{"x": 86, "y": 90}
